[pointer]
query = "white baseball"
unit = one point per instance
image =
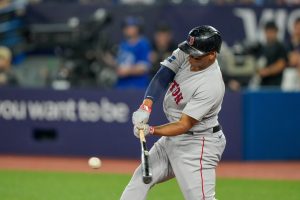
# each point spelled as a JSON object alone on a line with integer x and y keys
{"x": 94, "y": 162}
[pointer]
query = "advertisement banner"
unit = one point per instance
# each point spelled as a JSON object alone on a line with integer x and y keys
{"x": 88, "y": 122}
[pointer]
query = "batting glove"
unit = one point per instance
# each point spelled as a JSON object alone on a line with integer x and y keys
{"x": 141, "y": 115}
{"x": 140, "y": 126}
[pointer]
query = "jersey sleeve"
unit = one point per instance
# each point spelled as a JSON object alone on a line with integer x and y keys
{"x": 175, "y": 60}
{"x": 200, "y": 104}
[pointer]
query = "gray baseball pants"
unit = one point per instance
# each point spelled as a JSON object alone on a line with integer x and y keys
{"x": 192, "y": 159}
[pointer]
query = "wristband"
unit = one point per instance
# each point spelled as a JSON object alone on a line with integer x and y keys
{"x": 151, "y": 130}
{"x": 146, "y": 108}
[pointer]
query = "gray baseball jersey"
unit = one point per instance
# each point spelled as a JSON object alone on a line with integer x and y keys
{"x": 191, "y": 158}
{"x": 197, "y": 94}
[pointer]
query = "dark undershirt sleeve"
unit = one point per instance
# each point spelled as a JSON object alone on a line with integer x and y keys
{"x": 159, "y": 83}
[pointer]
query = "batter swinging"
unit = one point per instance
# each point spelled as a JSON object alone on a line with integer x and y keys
{"x": 193, "y": 141}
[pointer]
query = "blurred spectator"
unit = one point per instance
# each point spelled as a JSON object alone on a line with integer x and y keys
{"x": 12, "y": 27}
{"x": 133, "y": 56}
{"x": 291, "y": 76}
{"x": 294, "y": 46}
{"x": 150, "y": 2}
{"x": 272, "y": 57}
{"x": 7, "y": 77}
{"x": 107, "y": 2}
{"x": 163, "y": 46}
{"x": 238, "y": 64}
{"x": 134, "y": 2}
{"x": 4, "y": 3}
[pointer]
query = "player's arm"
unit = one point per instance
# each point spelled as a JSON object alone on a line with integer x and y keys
{"x": 175, "y": 128}
{"x": 194, "y": 111}
{"x": 164, "y": 76}
{"x": 157, "y": 86}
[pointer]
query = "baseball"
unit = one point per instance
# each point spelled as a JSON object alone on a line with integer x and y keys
{"x": 94, "y": 162}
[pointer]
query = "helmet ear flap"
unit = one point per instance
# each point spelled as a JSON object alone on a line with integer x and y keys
{"x": 219, "y": 42}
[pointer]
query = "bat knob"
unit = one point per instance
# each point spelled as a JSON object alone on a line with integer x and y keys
{"x": 147, "y": 179}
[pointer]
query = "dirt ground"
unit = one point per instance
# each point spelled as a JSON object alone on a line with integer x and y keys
{"x": 253, "y": 170}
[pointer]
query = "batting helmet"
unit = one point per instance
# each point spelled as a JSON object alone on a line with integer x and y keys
{"x": 201, "y": 40}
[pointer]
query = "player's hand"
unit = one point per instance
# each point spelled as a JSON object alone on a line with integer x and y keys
{"x": 145, "y": 127}
{"x": 141, "y": 115}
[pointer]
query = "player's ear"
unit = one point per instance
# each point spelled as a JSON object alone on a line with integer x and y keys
{"x": 212, "y": 55}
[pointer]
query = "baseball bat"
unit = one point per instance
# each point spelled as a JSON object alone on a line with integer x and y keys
{"x": 146, "y": 169}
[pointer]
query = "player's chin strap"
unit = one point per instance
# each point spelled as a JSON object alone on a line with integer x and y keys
{"x": 159, "y": 83}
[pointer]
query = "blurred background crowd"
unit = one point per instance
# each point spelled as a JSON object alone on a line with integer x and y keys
{"x": 78, "y": 54}
{"x": 149, "y": 2}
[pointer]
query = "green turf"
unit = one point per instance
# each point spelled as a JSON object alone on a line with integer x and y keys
{"x": 18, "y": 185}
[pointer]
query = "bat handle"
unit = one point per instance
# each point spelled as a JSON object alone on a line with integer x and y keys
{"x": 146, "y": 171}
{"x": 142, "y": 135}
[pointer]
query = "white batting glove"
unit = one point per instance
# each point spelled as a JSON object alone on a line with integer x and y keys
{"x": 140, "y": 126}
{"x": 141, "y": 115}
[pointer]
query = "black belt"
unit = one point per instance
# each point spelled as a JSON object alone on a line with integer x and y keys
{"x": 215, "y": 129}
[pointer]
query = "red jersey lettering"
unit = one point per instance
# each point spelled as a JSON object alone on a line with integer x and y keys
{"x": 176, "y": 92}
{"x": 178, "y": 98}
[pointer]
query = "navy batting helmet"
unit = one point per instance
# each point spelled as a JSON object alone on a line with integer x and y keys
{"x": 201, "y": 40}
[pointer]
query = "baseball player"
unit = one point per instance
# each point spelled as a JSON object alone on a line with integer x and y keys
{"x": 193, "y": 142}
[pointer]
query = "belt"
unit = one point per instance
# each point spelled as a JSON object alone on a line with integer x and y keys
{"x": 215, "y": 129}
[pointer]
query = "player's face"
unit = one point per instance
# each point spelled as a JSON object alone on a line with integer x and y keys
{"x": 201, "y": 61}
